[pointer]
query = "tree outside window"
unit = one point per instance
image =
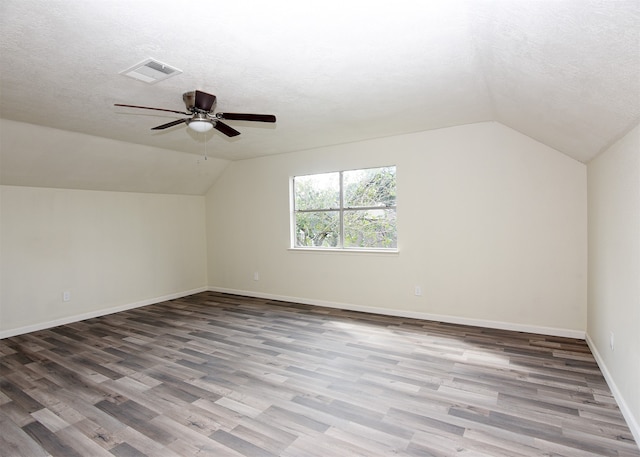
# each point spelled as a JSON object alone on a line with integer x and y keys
{"x": 354, "y": 209}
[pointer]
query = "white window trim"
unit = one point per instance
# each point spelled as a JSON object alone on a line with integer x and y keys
{"x": 349, "y": 251}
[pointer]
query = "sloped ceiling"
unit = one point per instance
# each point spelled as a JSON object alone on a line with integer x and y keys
{"x": 565, "y": 72}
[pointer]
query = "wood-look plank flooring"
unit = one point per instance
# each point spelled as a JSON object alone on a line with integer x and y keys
{"x": 222, "y": 375}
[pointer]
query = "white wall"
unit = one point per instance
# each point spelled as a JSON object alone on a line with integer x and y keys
{"x": 492, "y": 226}
{"x": 614, "y": 270}
{"x": 36, "y": 156}
{"x": 108, "y": 249}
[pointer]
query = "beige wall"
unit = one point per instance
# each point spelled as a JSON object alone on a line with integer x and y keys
{"x": 108, "y": 249}
{"x": 614, "y": 270}
{"x": 36, "y": 156}
{"x": 492, "y": 226}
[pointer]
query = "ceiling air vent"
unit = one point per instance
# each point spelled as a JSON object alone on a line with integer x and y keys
{"x": 151, "y": 71}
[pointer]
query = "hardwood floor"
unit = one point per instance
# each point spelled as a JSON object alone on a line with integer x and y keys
{"x": 222, "y": 375}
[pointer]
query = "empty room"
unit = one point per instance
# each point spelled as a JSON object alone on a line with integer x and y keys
{"x": 277, "y": 228}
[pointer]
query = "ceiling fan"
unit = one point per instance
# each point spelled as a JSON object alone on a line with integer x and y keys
{"x": 200, "y": 106}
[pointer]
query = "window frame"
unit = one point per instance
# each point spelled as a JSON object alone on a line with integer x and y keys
{"x": 340, "y": 210}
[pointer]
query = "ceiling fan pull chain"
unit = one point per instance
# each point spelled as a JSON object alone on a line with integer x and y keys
{"x": 205, "y": 145}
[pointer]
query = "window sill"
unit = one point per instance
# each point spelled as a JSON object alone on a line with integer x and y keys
{"x": 345, "y": 251}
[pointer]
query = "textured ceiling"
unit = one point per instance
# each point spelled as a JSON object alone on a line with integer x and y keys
{"x": 566, "y": 73}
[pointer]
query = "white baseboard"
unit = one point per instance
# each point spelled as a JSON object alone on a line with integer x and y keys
{"x": 632, "y": 421}
{"x": 97, "y": 313}
{"x": 551, "y": 331}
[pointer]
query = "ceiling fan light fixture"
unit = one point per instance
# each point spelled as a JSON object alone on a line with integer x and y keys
{"x": 200, "y": 125}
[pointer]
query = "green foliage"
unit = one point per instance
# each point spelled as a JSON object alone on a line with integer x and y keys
{"x": 369, "y": 216}
{"x": 371, "y": 187}
{"x": 317, "y": 191}
{"x": 318, "y": 229}
{"x": 370, "y": 229}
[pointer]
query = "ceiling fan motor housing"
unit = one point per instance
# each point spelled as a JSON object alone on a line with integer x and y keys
{"x": 191, "y": 101}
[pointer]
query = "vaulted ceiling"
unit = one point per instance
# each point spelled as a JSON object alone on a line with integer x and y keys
{"x": 565, "y": 72}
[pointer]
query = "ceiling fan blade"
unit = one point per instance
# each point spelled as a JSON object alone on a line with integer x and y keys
{"x": 170, "y": 124}
{"x": 204, "y": 101}
{"x": 156, "y": 109}
{"x": 247, "y": 117}
{"x": 224, "y": 128}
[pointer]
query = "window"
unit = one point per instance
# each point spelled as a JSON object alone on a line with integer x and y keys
{"x": 353, "y": 209}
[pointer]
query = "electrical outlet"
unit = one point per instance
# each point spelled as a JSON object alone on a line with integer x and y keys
{"x": 256, "y": 276}
{"x": 611, "y": 341}
{"x": 66, "y": 295}
{"x": 418, "y": 291}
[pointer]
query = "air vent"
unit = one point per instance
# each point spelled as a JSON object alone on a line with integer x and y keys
{"x": 151, "y": 71}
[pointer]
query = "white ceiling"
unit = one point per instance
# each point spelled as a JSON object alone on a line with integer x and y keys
{"x": 565, "y": 72}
